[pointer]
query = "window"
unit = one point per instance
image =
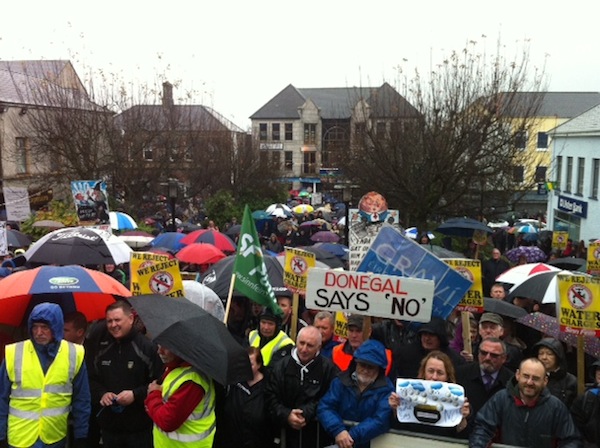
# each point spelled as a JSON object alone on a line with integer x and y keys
{"x": 521, "y": 139}
{"x": 276, "y": 160}
{"x": 289, "y": 161}
{"x": 519, "y": 173}
{"x": 262, "y": 131}
{"x": 289, "y": 131}
{"x": 21, "y": 155}
{"x": 569, "y": 182}
{"x": 580, "y": 175}
{"x": 542, "y": 140}
{"x": 148, "y": 153}
{"x": 595, "y": 178}
{"x": 310, "y": 133}
{"x": 310, "y": 163}
{"x": 275, "y": 131}
{"x": 540, "y": 174}
{"x": 558, "y": 176}
{"x": 381, "y": 129}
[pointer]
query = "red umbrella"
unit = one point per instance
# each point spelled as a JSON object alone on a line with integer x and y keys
{"x": 217, "y": 239}
{"x": 72, "y": 287}
{"x": 200, "y": 253}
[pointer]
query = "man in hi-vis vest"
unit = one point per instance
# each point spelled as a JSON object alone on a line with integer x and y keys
{"x": 42, "y": 379}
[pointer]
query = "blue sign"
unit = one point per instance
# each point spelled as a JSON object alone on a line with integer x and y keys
{"x": 392, "y": 253}
{"x": 572, "y": 206}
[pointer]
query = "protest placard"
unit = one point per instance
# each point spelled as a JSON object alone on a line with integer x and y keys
{"x": 578, "y": 305}
{"x": 295, "y": 270}
{"x": 155, "y": 274}
{"x": 470, "y": 269}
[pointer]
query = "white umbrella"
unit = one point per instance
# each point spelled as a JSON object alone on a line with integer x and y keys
{"x": 204, "y": 297}
{"x": 519, "y": 274}
{"x": 273, "y": 207}
{"x": 121, "y": 221}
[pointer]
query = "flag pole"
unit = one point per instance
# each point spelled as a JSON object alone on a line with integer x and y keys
{"x": 229, "y": 295}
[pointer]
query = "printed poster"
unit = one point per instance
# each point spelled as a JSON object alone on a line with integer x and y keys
{"x": 426, "y": 402}
{"x": 16, "y": 203}
{"x": 578, "y": 307}
{"x": 3, "y": 239}
{"x": 295, "y": 270}
{"x": 559, "y": 240}
{"x": 91, "y": 202}
{"x": 593, "y": 258}
{"x": 155, "y": 274}
{"x": 472, "y": 301}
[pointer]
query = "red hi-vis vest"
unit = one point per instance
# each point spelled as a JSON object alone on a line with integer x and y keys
{"x": 343, "y": 359}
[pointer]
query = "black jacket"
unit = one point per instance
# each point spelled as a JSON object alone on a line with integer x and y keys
{"x": 561, "y": 383}
{"x": 290, "y": 386}
{"x": 127, "y": 364}
{"x": 490, "y": 269}
{"x": 469, "y": 376}
{"x": 547, "y": 424}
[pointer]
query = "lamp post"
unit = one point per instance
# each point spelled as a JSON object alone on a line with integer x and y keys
{"x": 347, "y": 197}
{"x": 173, "y": 193}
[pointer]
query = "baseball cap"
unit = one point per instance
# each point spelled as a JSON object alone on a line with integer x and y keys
{"x": 355, "y": 320}
{"x": 491, "y": 317}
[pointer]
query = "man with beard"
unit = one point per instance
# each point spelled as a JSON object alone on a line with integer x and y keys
{"x": 484, "y": 377}
{"x": 359, "y": 394}
{"x": 525, "y": 414}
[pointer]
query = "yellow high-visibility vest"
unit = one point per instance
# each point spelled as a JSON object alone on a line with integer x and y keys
{"x": 39, "y": 404}
{"x": 199, "y": 428}
{"x": 279, "y": 341}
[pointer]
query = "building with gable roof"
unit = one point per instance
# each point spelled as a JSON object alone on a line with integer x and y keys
{"x": 306, "y": 132}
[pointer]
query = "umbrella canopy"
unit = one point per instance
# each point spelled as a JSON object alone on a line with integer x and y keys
{"x": 339, "y": 250}
{"x": 260, "y": 215}
{"x": 204, "y": 297}
{"x": 121, "y": 221}
{"x": 233, "y": 231}
{"x": 78, "y": 245}
{"x": 520, "y": 273}
{"x": 48, "y": 223}
{"x": 200, "y": 253}
{"x": 324, "y": 256}
{"x": 532, "y": 254}
{"x": 303, "y": 208}
{"x": 325, "y": 236}
{"x": 527, "y": 228}
{"x": 16, "y": 239}
{"x": 549, "y": 325}
{"x": 413, "y": 233}
{"x": 195, "y": 336}
{"x": 136, "y": 238}
{"x": 571, "y": 263}
{"x": 463, "y": 227}
{"x": 72, "y": 287}
{"x": 169, "y": 240}
{"x": 541, "y": 287}
{"x": 218, "y": 276}
{"x": 317, "y": 222}
{"x": 278, "y": 206}
{"x": 217, "y": 239}
{"x": 503, "y": 308}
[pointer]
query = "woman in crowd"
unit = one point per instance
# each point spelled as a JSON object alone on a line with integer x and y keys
{"x": 561, "y": 383}
{"x": 436, "y": 366}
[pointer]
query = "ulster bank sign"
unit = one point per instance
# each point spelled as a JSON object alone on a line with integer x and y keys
{"x": 573, "y": 206}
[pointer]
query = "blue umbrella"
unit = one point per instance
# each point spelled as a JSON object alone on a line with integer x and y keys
{"x": 339, "y": 250}
{"x": 122, "y": 221}
{"x": 260, "y": 215}
{"x": 169, "y": 240}
{"x": 463, "y": 227}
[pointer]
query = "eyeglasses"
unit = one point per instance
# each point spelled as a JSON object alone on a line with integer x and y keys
{"x": 492, "y": 355}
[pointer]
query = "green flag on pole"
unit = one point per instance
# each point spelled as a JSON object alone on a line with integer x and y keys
{"x": 250, "y": 271}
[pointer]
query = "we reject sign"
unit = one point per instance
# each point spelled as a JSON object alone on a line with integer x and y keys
{"x": 369, "y": 294}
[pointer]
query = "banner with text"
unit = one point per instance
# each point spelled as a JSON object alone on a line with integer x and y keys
{"x": 579, "y": 304}
{"x": 559, "y": 240}
{"x": 472, "y": 301}
{"x": 295, "y": 270}
{"x": 155, "y": 274}
{"x": 91, "y": 201}
{"x": 593, "y": 258}
{"x": 16, "y": 203}
{"x": 392, "y": 253}
{"x": 393, "y": 297}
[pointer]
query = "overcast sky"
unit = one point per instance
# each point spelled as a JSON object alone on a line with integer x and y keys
{"x": 238, "y": 54}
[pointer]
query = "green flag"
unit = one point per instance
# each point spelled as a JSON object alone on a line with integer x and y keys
{"x": 250, "y": 271}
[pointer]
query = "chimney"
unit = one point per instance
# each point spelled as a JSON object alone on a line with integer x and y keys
{"x": 167, "y": 99}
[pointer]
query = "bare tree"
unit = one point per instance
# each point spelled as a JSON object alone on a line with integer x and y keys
{"x": 458, "y": 154}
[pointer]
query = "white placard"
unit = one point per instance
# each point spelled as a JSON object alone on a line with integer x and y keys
{"x": 370, "y": 294}
{"x": 17, "y": 203}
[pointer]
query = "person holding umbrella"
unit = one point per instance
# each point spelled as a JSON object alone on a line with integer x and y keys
{"x": 41, "y": 380}
{"x": 182, "y": 406}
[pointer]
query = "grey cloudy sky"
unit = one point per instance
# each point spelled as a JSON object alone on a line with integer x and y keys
{"x": 238, "y": 54}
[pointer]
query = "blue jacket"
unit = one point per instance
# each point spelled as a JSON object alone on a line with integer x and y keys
{"x": 343, "y": 400}
{"x": 51, "y": 314}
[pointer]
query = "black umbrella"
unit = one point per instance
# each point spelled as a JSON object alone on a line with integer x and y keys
{"x": 503, "y": 308}
{"x": 234, "y": 230}
{"x": 218, "y": 277}
{"x": 325, "y": 256}
{"x": 463, "y": 227}
{"x": 570, "y": 263}
{"x": 17, "y": 239}
{"x": 194, "y": 335}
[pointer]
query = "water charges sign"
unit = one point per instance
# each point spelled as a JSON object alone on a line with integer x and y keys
{"x": 369, "y": 294}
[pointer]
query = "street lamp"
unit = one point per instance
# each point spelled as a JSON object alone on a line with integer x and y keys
{"x": 173, "y": 193}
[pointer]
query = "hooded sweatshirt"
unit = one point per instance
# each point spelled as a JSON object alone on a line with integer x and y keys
{"x": 561, "y": 383}
{"x": 51, "y": 314}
